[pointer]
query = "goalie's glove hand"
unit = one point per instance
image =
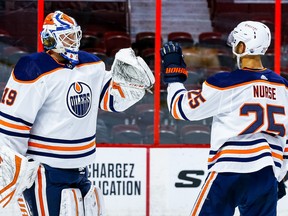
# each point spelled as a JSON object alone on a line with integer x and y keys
{"x": 173, "y": 63}
{"x": 281, "y": 189}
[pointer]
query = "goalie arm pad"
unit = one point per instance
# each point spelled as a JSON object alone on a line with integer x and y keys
{"x": 17, "y": 173}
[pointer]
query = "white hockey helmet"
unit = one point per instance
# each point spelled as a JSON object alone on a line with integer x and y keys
{"x": 62, "y": 34}
{"x": 255, "y": 35}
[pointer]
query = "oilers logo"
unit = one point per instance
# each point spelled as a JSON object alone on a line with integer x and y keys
{"x": 79, "y": 99}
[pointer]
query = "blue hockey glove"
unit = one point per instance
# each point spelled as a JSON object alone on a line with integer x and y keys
{"x": 173, "y": 63}
{"x": 281, "y": 189}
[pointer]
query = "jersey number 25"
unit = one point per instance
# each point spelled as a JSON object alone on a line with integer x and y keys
{"x": 261, "y": 114}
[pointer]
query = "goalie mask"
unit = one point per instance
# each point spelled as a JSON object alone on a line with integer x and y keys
{"x": 62, "y": 35}
{"x": 255, "y": 35}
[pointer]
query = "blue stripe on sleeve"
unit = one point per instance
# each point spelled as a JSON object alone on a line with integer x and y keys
{"x": 111, "y": 104}
{"x": 104, "y": 90}
{"x": 180, "y": 108}
{"x": 173, "y": 98}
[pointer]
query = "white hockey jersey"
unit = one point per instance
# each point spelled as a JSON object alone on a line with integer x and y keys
{"x": 49, "y": 110}
{"x": 250, "y": 118}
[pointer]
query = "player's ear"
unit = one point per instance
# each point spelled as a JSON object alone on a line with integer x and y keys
{"x": 240, "y": 48}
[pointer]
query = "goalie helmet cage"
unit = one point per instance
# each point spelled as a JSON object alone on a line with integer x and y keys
{"x": 158, "y": 15}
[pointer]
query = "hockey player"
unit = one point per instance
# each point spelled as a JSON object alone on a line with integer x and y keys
{"x": 48, "y": 115}
{"x": 250, "y": 121}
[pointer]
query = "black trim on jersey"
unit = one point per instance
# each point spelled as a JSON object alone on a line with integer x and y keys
{"x": 104, "y": 90}
{"x": 15, "y": 119}
{"x": 52, "y": 140}
{"x": 32, "y": 152}
{"x": 15, "y": 134}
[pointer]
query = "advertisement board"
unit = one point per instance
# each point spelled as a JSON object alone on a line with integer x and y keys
{"x": 121, "y": 175}
{"x": 149, "y": 181}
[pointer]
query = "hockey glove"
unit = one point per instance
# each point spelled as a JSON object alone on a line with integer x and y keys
{"x": 281, "y": 189}
{"x": 173, "y": 63}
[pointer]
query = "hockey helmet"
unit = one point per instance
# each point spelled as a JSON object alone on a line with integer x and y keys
{"x": 255, "y": 35}
{"x": 62, "y": 34}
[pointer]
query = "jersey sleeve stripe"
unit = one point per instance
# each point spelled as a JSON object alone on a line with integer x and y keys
{"x": 104, "y": 90}
{"x": 106, "y": 99}
{"x": 174, "y": 110}
{"x": 174, "y": 96}
{"x": 111, "y": 106}
{"x": 180, "y": 108}
{"x": 15, "y": 119}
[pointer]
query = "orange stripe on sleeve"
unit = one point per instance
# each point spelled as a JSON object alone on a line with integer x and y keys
{"x": 175, "y": 109}
{"x": 106, "y": 100}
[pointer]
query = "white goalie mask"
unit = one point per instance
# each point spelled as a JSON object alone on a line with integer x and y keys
{"x": 255, "y": 35}
{"x": 62, "y": 35}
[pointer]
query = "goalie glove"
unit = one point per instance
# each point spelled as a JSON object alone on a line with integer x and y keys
{"x": 173, "y": 63}
{"x": 131, "y": 74}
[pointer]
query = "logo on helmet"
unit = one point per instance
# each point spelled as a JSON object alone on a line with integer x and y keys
{"x": 250, "y": 26}
{"x": 79, "y": 99}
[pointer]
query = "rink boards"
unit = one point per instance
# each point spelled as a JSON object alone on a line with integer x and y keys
{"x": 149, "y": 181}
